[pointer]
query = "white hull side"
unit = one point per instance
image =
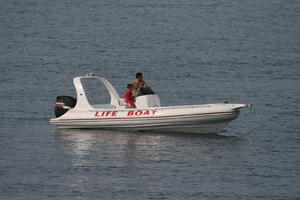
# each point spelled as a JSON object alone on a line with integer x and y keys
{"x": 192, "y": 124}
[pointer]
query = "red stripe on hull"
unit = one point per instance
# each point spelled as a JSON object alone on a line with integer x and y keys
{"x": 159, "y": 117}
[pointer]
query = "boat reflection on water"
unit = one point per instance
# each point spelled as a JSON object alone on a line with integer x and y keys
{"x": 112, "y": 159}
{"x": 92, "y": 157}
{"x": 106, "y": 144}
{"x": 117, "y": 148}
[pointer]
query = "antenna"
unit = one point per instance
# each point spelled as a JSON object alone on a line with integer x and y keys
{"x": 90, "y": 74}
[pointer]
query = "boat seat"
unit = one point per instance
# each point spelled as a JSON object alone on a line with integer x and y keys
{"x": 122, "y": 102}
{"x": 104, "y": 106}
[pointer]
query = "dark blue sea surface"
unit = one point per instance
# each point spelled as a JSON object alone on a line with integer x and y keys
{"x": 191, "y": 52}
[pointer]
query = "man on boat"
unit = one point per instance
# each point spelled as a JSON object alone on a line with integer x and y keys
{"x": 128, "y": 96}
{"x": 138, "y": 83}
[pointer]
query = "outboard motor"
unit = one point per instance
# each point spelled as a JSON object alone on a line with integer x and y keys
{"x": 64, "y": 104}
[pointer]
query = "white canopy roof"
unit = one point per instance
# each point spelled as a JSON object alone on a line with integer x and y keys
{"x": 82, "y": 101}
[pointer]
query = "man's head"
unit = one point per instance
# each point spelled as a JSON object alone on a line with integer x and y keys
{"x": 129, "y": 86}
{"x": 139, "y": 76}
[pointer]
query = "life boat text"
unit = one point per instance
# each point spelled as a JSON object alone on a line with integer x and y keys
{"x": 129, "y": 113}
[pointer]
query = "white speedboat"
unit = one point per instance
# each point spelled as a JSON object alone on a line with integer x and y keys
{"x": 148, "y": 114}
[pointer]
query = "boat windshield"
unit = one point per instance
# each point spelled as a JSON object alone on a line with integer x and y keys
{"x": 96, "y": 92}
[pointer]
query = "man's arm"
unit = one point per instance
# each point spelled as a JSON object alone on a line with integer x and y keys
{"x": 145, "y": 84}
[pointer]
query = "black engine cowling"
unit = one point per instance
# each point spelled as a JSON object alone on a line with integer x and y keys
{"x": 145, "y": 91}
{"x": 63, "y": 104}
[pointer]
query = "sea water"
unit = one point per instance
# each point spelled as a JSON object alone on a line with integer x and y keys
{"x": 191, "y": 52}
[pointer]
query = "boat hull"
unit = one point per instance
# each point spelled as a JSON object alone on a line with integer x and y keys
{"x": 189, "y": 120}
